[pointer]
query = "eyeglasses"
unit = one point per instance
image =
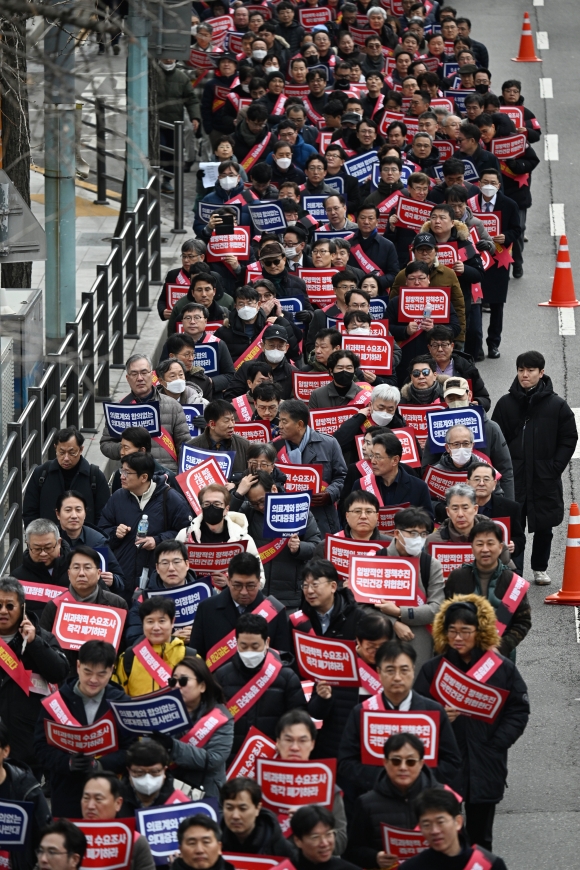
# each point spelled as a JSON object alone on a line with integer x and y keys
{"x": 176, "y": 563}
{"x": 220, "y": 505}
{"x": 397, "y": 761}
{"x": 461, "y": 632}
{"x": 413, "y": 533}
{"x": 7, "y": 605}
{"x": 178, "y": 681}
{"x": 359, "y": 512}
{"x": 124, "y": 473}
{"x": 72, "y": 453}
{"x": 193, "y": 319}
{"x": 318, "y": 838}
{"x": 456, "y": 445}
{"x": 142, "y": 374}
{"x": 416, "y": 373}
{"x": 261, "y": 466}
{"x": 441, "y": 345}
{"x": 313, "y": 584}
{"x": 48, "y": 548}
{"x": 274, "y": 262}
{"x": 320, "y": 251}
{"x": 50, "y": 853}
{"x": 188, "y": 256}
{"x": 377, "y": 457}
{"x": 241, "y": 587}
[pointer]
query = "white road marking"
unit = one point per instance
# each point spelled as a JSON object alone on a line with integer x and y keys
{"x": 546, "y": 90}
{"x": 538, "y": 3}
{"x": 576, "y": 454}
{"x": 566, "y": 321}
{"x": 551, "y": 151}
{"x": 542, "y": 40}
{"x": 557, "y": 223}
{"x": 577, "y": 618}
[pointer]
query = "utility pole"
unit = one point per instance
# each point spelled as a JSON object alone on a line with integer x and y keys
{"x": 138, "y": 29}
{"x": 59, "y": 187}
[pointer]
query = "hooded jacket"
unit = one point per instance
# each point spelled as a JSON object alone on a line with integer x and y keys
{"x": 40, "y": 501}
{"x": 132, "y": 676}
{"x": 21, "y": 785}
{"x": 218, "y": 197}
{"x": 439, "y": 276}
{"x": 541, "y": 434}
{"x": 266, "y": 839}
{"x": 237, "y": 530}
{"x": 483, "y": 746}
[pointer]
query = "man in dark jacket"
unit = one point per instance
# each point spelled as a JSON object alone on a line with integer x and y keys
{"x": 44, "y": 560}
{"x": 288, "y": 27}
{"x": 482, "y": 478}
{"x": 248, "y": 828}
{"x": 395, "y": 664}
{"x": 70, "y": 470}
{"x": 279, "y": 689}
{"x": 371, "y": 252}
{"x": 175, "y": 94}
{"x": 453, "y": 173}
{"x": 39, "y": 652}
{"x": 200, "y": 846}
{"x": 275, "y": 346}
{"x": 85, "y": 698}
{"x": 217, "y": 112}
{"x": 142, "y": 494}
{"x": 469, "y": 149}
{"x": 454, "y": 363}
{"x": 252, "y": 140}
{"x": 540, "y": 430}
{"x": 217, "y": 617}
{"x": 247, "y": 320}
{"x": 390, "y": 800}
{"x": 511, "y": 95}
{"x": 219, "y": 436}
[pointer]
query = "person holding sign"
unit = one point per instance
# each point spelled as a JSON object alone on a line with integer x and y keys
{"x": 465, "y": 635}
{"x": 219, "y": 367}
{"x": 314, "y": 831}
{"x": 490, "y": 577}
{"x": 136, "y": 439}
{"x": 371, "y": 252}
{"x": 44, "y": 560}
{"x": 381, "y": 413}
{"x": 219, "y": 434}
{"x": 146, "y": 782}
{"x": 390, "y": 482}
{"x": 249, "y": 828}
{"x": 342, "y": 365}
{"x": 200, "y": 846}
{"x": 272, "y": 350}
{"x": 391, "y": 801}
{"x": 82, "y": 700}
{"x": 360, "y": 510}
{"x": 441, "y": 346}
{"x": 459, "y": 453}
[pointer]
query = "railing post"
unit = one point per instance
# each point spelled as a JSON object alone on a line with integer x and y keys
{"x": 118, "y": 300}
{"x": 130, "y": 271}
{"x": 102, "y": 386}
{"x": 52, "y": 422}
{"x": 178, "y": 196}
{"x": 155, "y": 218}
{"x": 143, "y": 249}
{"x": 72, "y": 382}
{"x": 88, "y": 361}
{"x": 100, "y": 125}
{"x": 15, "y": 460}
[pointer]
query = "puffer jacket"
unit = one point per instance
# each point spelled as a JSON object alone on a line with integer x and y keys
{"x": 218, "y": 197}
{"x": 20, "y": 785}
{"x": 472, "y": 266}
{"x": 204, "y": 766}
{"x": 237, "y": 526}
{"x": 407, "y": 396}
{"x": 132, "y": 676}
{"x": 483, "y": 746}
{"x": 174, "y": 94}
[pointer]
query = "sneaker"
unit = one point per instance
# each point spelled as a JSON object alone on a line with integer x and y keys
{"x": 166, "y": 187}
{"x": 541, "y": 578}
{"x": 493, "y": 352}
{"x": 518, "y": 271}
{"x": 116, "y": 49}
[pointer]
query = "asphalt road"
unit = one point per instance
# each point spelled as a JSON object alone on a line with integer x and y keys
{"x": 538, "y": 823}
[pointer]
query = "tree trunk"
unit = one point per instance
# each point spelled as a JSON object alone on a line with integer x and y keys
{"x": 15, "y": 127}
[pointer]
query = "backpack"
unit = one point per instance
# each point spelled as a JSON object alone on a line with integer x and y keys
{"x": 92, "y": 475}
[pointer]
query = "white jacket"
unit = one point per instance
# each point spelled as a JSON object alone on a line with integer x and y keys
{"x": 237, "y": 524}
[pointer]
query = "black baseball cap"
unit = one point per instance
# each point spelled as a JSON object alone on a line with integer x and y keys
{"x": 424, "y": 240}
{"x": 275, "y": 332}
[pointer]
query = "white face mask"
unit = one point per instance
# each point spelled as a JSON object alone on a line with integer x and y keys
{"x": 177, "y": 386}
{"x": 456, "y": 403}
{"x": 461, "y": 456}
{"x": 274, "y": 356}
{"x": 246, "y": 89}
{"x": 252, "y": 659}
{"x": 413, "y": 546}
{"x": 489, "y": 190}
{"x": 284, "y": 162}
{"x": 246, "y": 312}
{"x": 269, "y": 69}
{"x": 290, "y": 252}
{"x": 259, "y": 54}
{"x": 360, "y": 330}
{"x": 228, "y": 182}
{"x": 194, "y": 29}
{"x": 381, "y": 418}
{"x": 291, "y": 223}
{"x": 147, "y": 784}
{"x": 168, "y": 66}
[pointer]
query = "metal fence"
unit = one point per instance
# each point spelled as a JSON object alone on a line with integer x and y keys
{"x": 76, "y": 376}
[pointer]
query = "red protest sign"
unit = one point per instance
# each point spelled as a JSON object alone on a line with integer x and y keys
{"x": 516, "y": 113}
{"x": 210, "y": 558}
{"x": 256, "y": 745}
{"x": 401, "y": 842}
{"x": 318, "y": 285}
{"x": 432, "y": 63}
{"x": 257, "y": 432}
{"x": 75, "y": 623}
{"x": 414, "y": 300}
{"x": 505, "y": 525}
{"x": 304, "y": 383}
{"x": 416, "y": 417}
{"x": 97, "y": 739}
{"x": 451, "y": 556}
{"x": 220, "y": 27}
{"x": 388, "y": 578}
{"x": 387, "y": 517}
{"x": 443, "y": 103}
{"x": 327, "y": 420}
{"x": 325, "y": 138}
{"x": 445, "y": 149}
{"x": 174, "y": 293}
{"x": 311, "y": 17}
{"x": 109, "y": 843}
{"x": 293, "y": 784}
{"x": 235, "y": 245}
{"x": 453, "y": 688}
{"x": 41, "y": 591}
{"x": 250, "y": 862}
{"x": 491, "y": 221}
{"x": 439, "y": 481}
{"x": 301, "y": 477}
{"x": 340, "y": 551}
{"x": 194, "y": 480}
{"x": 377, "y": 726}
{"x": 374, "y": 351}
{"x": 358, "y": 35}
{"x": 447, "y": 254}
{"x": 299, "y": 91}
{"x": 411, "y": 213}
{"x": 409, "y": 443}
{"x": 509, "y": 147}
{"x": 387, "y": 119}
{"x": 321, "y": 658}
{"x": 378, "y": 327}
{"x": 199, "y": 60}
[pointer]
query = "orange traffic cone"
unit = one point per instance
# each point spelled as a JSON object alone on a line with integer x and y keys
{"x": 527, "y": 52}
{"x": 570, "y": 591}
{"x": 563, "y": 294}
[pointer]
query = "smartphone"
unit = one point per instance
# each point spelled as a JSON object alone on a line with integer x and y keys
{"x": 226, "y": 228}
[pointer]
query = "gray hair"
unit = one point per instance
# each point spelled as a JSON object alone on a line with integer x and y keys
{"x": 41, "y": 527}
{"x": 458, "y": 426}
{"x": 267, "y": 450}
{"x": 198, "y": 246}
{"x": 462, "y": 490}
{"x": 387, "y": 393}
{"x": 135, "y": 357}
{"x": 450, "y": 115}
{"x": 164, "y": 366}
{"x": 422, "y": 135}
{"x": 12, "y": 585}
{"x": 377, "y": 10}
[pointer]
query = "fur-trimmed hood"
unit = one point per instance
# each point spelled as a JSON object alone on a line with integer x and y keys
{"x": 461, "y": 228}
{"x": 406, "y": 388}
{"x": 487, "y": 635}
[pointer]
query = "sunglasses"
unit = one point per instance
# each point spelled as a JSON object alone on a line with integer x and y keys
{"x": 177, "y": 681}
{"x": 397, "y": 761}
{"x": 418, "y": 372}
{"x": 275, "y": 262}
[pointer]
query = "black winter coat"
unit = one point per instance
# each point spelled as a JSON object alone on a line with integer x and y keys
{"x": 22, "y": 786}
{"x": 383, "y": 254}
{"x": 266, "y": 839}
{"x": 500, "y": 506}
{"x": 67, "y": 785}
{"x": 495, "y": 283}
{"x": 282, "y": 375}
{"x": 345, "y": 435}
{"x": 540, "y": 430}
{"x": 18, "y": 711}
{"x": 405, "y": 488}
{"x": 131, "y": 802}
{"x": 234, "y": 335}
{"x": 217, "y": 616}
{"x": 384, "y": 803}
{"x": 464, "y": 367}
{"x": 40, "y": 501}
{"x": 432, "y": 860}
{"x": 484, "y": 746}
{"x": 93, "y": 538}
{"x": 36, "y": 572}
{"x": 284, "y": 694}
{"x": 523, "y": 165}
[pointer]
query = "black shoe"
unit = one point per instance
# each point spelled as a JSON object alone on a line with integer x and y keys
{"x": 518, "y": 270}
{"x": 187, "y": 165}
{"x": 493, "y": 353}
{"x": 480, "y": 356}
{"x": 116, "y": 49}
{"x": 485, "y": 308}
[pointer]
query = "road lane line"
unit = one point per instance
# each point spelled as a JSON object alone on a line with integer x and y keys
{"x": 566, "y": 321}
{"x": 551, "y": 151}
{"x": 546, "y": 90}
{"x": 577, "y": 618}
{"x": 538, "y": 3}
{"x": 557, "y": 222}
{"x": 542, "y": 40}
{"x": 576, "y": 454}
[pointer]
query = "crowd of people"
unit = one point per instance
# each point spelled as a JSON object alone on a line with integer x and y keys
{"x": 352, "y": 223}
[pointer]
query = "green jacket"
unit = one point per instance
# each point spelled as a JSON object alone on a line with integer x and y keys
{"x": 174, "y": 93}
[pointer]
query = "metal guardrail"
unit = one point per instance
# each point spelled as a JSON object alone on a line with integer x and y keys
{"x": 177, "y": 174}
{"x": 76, "y": 376}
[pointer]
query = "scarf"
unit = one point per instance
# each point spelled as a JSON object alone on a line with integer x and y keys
{"x": 91, "y": 599}
{"x": 295, "y": 453}
{"x": 427, "y": 396}
{"x": 491, "y": 596}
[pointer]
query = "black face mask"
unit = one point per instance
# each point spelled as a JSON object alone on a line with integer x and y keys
{"x": 312, "y": 60}
{"x": 212, "y": 515}
{"x": 343, "y": 379}
{"x": 343, "y": 83}
{"x": 482, "y": 89}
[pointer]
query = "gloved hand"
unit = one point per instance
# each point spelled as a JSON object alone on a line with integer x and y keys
{"x": 481, "y": 245}
{"x": 164, "y": 739}
{"x": 81, "y": 763}
{"x": 304, "y": 316}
